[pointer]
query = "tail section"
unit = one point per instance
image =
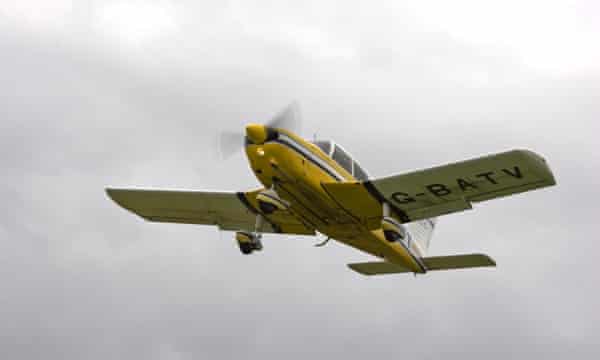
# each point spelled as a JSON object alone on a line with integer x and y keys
{"x": 432, "y": 263}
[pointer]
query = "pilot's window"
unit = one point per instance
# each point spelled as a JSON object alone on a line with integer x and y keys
{"x": 325, "y": 146}
{"x": 359, "y": 173}
{"x": 343, "y": 159}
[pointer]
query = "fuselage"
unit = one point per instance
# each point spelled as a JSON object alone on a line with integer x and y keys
{"x": 296, "y": 169}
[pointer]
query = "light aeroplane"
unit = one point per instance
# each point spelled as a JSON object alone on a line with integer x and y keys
{"x": 315, "y": 187}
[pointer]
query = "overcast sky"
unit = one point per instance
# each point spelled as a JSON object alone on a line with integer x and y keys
{"x": 97, "y": 93}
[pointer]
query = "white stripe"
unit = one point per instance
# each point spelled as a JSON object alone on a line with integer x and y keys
{"x": 308, "y": 154}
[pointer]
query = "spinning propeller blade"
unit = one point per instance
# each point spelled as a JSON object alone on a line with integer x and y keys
{"x": 230, "y": 142}
{"x": 288, "y": 119}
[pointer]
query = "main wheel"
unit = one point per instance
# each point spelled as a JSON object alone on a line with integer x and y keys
{"x": 246, "y": 248}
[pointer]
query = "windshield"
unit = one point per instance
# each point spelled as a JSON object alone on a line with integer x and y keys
{"x": 340, "y": 156}
{"x": 324, "y": 145}
{"x": 359, "y": 173}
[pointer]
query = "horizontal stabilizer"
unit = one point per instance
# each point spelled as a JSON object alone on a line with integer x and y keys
{"x": 458, "y": 262}
{"x": 432, "y": 263}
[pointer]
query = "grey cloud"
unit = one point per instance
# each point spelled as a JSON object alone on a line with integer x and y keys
{"x": 81, "y": 278}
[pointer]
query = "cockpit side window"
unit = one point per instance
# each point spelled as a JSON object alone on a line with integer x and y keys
{"x": 325, "y": 146}
{"x": 359, "y": 173}
{"x": 342, "y": 158}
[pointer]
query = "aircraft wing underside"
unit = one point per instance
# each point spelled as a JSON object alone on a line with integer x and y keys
{"x": 444, "y": 189}
{"x": 227, "y": 210}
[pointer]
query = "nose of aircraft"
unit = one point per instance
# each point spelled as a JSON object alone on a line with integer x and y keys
{"x": 258, "y": 134}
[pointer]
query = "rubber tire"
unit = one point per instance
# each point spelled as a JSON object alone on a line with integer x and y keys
{"x": 246, "y": 248}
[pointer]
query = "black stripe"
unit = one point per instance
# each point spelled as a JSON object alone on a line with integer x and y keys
{"x": 277, "y": 200}
{"x": 371, "y": 189}
{"x": 307, "y": 154}
{"x": 379, "y": 197}
{"x": 246, "y": 203}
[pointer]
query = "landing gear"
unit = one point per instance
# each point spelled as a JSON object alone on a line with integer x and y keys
{"x": 249, "y": 242}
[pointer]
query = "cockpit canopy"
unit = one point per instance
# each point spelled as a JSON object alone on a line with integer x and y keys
{"x": 339, "y": 155}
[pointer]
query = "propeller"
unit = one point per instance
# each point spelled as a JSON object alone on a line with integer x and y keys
{"x": 230, "y": 142}
{"x": 289, "y": 118}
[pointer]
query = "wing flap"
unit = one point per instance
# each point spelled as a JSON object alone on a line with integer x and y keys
{"x": 444, "y": 208}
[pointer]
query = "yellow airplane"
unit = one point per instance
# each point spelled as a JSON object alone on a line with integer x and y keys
{"x": 315, "y": 187}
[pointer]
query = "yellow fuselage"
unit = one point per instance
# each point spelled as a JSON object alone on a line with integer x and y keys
{"x": 296, "y": 168}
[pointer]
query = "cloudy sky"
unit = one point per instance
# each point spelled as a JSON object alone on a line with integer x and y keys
{"x": 97, "y": 93}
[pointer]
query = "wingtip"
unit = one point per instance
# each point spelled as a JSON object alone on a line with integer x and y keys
{"x": 357, "y": 270}
{"x": 541, "y": 164}
{"x": 111, "y": 192}
{"x": 491, "y": 262}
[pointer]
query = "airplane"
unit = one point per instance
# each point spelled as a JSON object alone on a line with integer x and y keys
{"x": 317, "y": 187}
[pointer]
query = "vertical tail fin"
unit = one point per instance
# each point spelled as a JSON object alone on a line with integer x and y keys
{"x": 421, "y": 232}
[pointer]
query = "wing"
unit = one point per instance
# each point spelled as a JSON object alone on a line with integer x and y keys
{"x": 228, "y": 211}
{"x": 444, "y": 189}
